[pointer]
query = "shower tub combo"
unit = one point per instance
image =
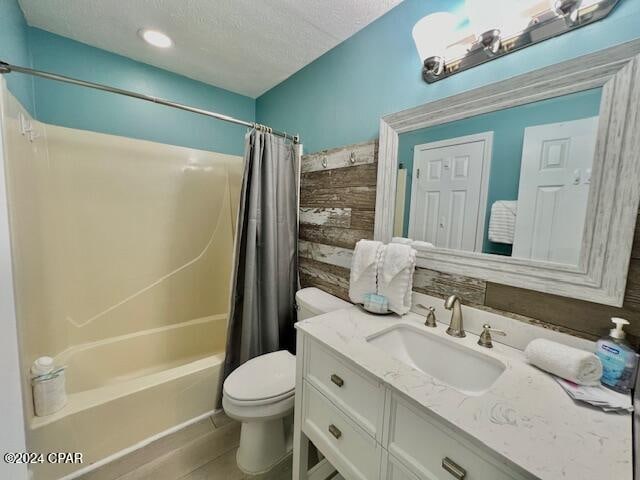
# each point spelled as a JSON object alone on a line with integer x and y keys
{"x": 122, "y": 253}
{"x": 129, "y": 389}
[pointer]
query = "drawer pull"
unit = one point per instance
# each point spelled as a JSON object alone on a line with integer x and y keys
{"x": 337, "y": 380}
{"x": 335, "y": 431}
{"x": 453, "y": 468}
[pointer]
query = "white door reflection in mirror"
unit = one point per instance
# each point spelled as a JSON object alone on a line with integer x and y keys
{"x": 553, "y": 191}
{"x": 532, "y": 176}
{"x": 449, "y": 198}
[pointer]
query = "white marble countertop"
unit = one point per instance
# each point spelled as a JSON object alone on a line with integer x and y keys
{"x": 525, "y": 416}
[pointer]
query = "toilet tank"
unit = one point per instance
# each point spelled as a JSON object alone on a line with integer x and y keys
{"x": 312, "y": 302}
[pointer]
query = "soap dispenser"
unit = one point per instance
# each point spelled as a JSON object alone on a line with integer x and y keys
{"x": 619, "y": 360}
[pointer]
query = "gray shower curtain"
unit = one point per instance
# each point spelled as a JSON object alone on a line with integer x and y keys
{"x": 265, "y": 279}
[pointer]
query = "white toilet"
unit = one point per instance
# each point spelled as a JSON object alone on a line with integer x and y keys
{"x": 260, "y": 394}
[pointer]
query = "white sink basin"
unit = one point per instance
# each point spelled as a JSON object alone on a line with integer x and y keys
{"x": 458, "y": 366}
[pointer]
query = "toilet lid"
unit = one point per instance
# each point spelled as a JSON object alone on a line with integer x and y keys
{"x": 268, "y": 376}
{"x": 318, "y": 301}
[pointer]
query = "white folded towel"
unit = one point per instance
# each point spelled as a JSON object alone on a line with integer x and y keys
{"x": 502, "y": 223}
{"x": 422, "y": 245}
{"x": 412, "y": 243}
{"x": 573, "y": 364}
{"x": 364, "y": 269}
{"x": 395, "y": 276}
{"x": 402, "y": 240}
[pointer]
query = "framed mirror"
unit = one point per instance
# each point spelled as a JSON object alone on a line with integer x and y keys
{"x": 532, "y": 182}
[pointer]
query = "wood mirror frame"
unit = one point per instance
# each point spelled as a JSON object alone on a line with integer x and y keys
{"x": 601, "y": 273}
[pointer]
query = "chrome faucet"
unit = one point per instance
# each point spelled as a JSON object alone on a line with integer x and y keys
{"x": 456, "y": 329}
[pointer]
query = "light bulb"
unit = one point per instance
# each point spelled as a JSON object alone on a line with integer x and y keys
{"x": 156, "y": 38}
{"x": 434, "y": 33}
{"x": 508, "y": 16}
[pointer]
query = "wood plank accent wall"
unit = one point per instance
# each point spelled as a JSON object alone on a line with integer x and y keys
{"x": 337, "y": 206}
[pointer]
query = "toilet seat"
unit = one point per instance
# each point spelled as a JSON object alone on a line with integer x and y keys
{"x": 262, "y": 388}
{"x": 247, "y": 412}
{"x": 261, "y": 401}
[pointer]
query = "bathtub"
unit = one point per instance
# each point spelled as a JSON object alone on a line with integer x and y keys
{"x": 123, "y": 390}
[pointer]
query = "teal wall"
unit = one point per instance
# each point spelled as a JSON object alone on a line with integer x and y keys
{"x": 87, "y": 109}
{"x": 336, "y": 100}
{"x": 14, "y": 49}
{"x": 508, "y": 136}
{"x": 339, "y": 98}
{"x": 78, "y": 107}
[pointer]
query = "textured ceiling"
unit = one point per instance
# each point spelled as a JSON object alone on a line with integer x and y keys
{"x": 246, "y": 46}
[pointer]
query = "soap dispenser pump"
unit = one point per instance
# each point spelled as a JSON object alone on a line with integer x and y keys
{"x": 619, "y": 360}
{"x": 618, "y": 332}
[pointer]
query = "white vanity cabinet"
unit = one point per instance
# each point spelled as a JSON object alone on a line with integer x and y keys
{"x": 368, "y": 431}
{"x": 347, "y": 446}
{"x": 432, "y": 450}
{"x": 354, "y": 392}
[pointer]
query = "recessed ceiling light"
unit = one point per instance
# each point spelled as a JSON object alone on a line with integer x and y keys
{"x": 155, "y": 38}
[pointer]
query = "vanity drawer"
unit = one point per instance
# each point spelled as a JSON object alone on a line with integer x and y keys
{"x": 434, "y": 452}
{"x": 357, "y": 395}
{"x": 347, "y": 447}
{"x": 394, "y": 470}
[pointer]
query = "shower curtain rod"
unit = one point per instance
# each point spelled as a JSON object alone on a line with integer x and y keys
{"x": 8, "y": 68}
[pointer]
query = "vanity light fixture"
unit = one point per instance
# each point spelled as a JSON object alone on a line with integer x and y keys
{"x": 432, "y": 35}
{"x": 448, "y": 45}
{"x": 491, "y": 41}
{"x": 155, "y": 38}
{"x": 433, "y": 67}
{"x": 568, "y": 9}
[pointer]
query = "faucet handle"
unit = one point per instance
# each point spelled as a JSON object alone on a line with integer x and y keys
{"x": 485, "y": 336}
{"x": 430, "y": 321}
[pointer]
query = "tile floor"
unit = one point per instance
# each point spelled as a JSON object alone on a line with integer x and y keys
{"x": 224, "y": 468}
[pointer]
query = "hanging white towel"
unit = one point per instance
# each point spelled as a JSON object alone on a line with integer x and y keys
{"x": 502, "y": 224}
{"x": 395, "y": 276}
{"x": 364, "y": 269}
